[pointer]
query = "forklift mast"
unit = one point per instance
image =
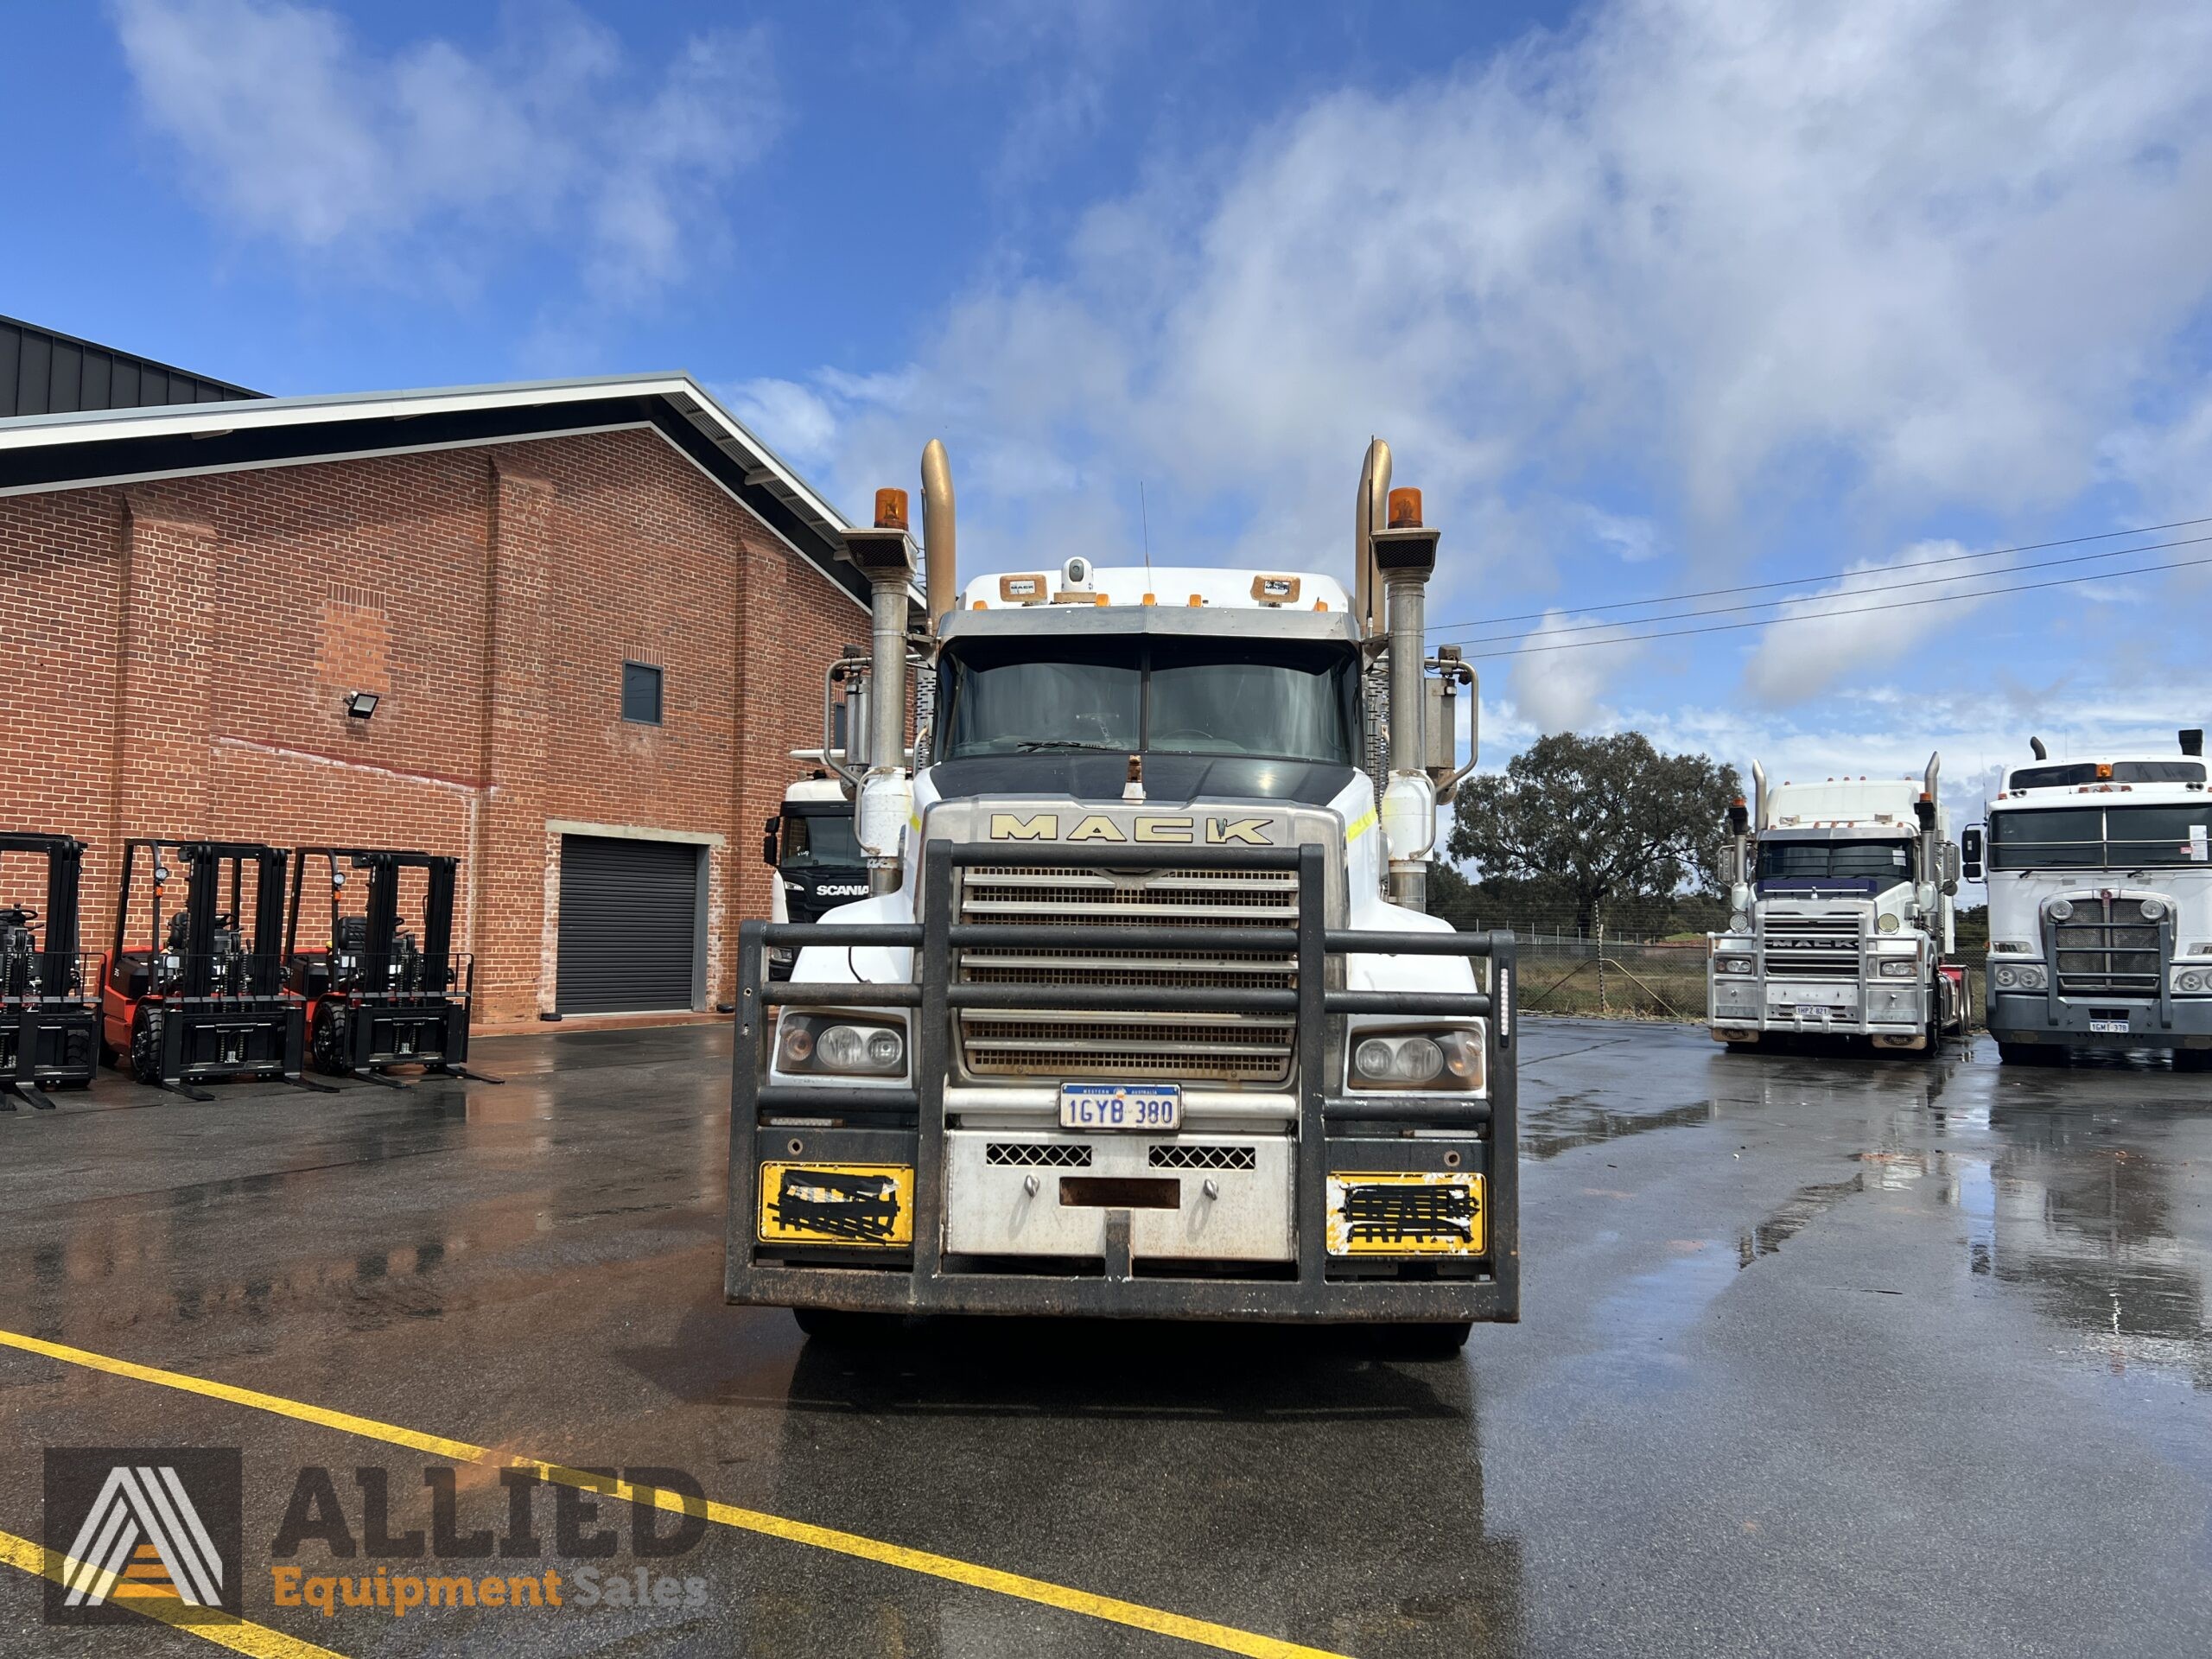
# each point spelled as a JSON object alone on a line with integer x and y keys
{"x": 206, "y": 863}
{"x": 58, "y": 922}
{"x": 380, "y": 923}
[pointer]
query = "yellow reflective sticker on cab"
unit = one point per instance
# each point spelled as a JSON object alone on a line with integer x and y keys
{"x": 868, "y": 1204}
{"x": 1406, "y": 1212}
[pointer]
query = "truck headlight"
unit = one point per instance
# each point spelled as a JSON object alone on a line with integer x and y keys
{"x": 1897, "y": 967}
{"x": 2191, "y": 979}
{"x": 1733, "y": 964}
{"x": 828, "y": 1045}
{"x": 1889, "y": 923}
{"x": 2059, "y": 909}
{"x": 2028, "y": 977}
{"x": 1435, "y": 1058}
{"x": 2152, "y": 910}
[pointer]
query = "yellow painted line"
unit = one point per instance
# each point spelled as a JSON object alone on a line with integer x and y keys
{"x": 240, "y": 1636}
{"x": 1135, "y": 1615}
{"x": 1359, "y": 826}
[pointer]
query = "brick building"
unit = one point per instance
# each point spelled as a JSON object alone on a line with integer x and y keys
{"x": 593, "y": 616}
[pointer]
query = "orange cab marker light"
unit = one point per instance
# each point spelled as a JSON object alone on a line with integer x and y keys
{"x": 1198, "y": 598}
{"x": 1320, "y": 604}
{"x": 980, "y": 606}
{"x": 1099, "y": 599}
{"x": 1152, "y": 599}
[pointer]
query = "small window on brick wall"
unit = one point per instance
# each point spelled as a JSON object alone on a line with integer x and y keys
{"x": 641, "y": 693}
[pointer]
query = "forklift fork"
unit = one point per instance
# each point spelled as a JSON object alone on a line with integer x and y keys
{"x": 463, "y": 1071}
{"x": 309, "y": 1084}
{"x": 370, "y": 1074}
{"x": 184, "y": 1089}
{"x": 12, "y": 1092}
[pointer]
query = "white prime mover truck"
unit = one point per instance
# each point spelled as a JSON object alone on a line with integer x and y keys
{"x": 1144, "y": 1015}
{"x": 2100, "y": 905}
{"x": 1841, "y": 915}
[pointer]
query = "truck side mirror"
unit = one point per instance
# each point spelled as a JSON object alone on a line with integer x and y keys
{"x": 768, "y": 855}
{"x": 1970, "y": 852}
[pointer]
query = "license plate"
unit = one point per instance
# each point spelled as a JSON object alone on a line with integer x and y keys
{"x": 1120, "y": 1106}
{"x": 1406, "y": 1212}
{"x": 1811, "y": 996}
{"x": 2108, "y": 1028}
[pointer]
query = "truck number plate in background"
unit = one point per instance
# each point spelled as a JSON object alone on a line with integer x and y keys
{"x": 1811, "y": 996}
{"x": 1120, "y": 1106}
{"x": 2108, "y": 1028}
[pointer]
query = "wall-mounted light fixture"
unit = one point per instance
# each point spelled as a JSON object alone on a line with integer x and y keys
{"x": 359, "y": 705}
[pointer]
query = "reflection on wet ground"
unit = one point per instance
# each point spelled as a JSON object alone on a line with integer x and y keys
{"x": 1810, "y": 1342}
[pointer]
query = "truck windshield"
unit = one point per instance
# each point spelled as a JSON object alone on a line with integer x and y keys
{"x": 2100, "y": 837}
{"x": 1815, "y": 861}
{"x": 824, "y": 840}
{"x": 1183, "y": 697}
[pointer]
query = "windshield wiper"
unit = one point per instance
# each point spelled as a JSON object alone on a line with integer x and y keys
{"x": 1038, "y": 745}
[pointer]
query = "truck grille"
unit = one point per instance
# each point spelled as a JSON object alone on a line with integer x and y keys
{"x": 2106, "y": 949}
{"x": 1811, "y": 947}
{"x": 1073, "y": 1042}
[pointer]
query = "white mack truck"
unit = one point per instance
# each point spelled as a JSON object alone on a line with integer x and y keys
{"x": 2100, "y": 905}
{"x": 1144, "y": 1015}
{"x": 1840, "y": 901}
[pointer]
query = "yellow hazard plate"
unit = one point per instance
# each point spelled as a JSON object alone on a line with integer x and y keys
{"x": 1406, "y": 1212}
{"x": 837, "y": 1204}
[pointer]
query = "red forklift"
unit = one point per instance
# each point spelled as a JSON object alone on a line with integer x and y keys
{"x": 49, "y": 1027}
{"x": 202, "y": 996}
{"x": 376, "y": 997}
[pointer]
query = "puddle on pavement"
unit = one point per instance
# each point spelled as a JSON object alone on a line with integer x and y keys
{"x": 1789, "y": 1219}
{"x": 1570, "y": 1123}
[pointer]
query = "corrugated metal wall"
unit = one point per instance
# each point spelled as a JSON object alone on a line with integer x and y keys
{"x": 42, "y": 373}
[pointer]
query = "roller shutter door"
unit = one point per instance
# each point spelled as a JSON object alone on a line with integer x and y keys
{"x": 629, "y": 924}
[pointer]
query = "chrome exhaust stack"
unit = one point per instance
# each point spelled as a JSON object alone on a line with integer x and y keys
{"x": 885, "y": 555}
{"x": 1929, "y": 886}
{"x": 937, "y": 538}
{"x": 1402, "y": 558}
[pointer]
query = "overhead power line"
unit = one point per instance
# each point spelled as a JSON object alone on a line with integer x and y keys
{"x": 1854, "y": 610}
{"x": 1812, "y": 599}
{"x": 1806, "y": 581}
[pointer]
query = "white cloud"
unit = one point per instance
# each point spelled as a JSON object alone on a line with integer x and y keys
{"x": 1740, "y": 253}
{"x": 1564, "y": 690}
{"x": 431, "y": 162}
{"x": 1633, "y": 541}
{"x": 1838, "y": 631}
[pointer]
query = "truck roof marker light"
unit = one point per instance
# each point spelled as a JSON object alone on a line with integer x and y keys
{"x": 2104, "y": 771}
{"x": 891, "y": 509}
{"x": 1101, "y": 598}
{"x": 1320, "y": 604}
{"x": 1152, "y": 599}
{"x": 1198, "y": 598}
{"x": 979, "y": 605}
{"x": 1405, "y": 509}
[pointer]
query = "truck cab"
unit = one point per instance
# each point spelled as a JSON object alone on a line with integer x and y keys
{"x": 810, "y": 847}
{"x": 1144, "y": 1014}
{"x": 2100, "y": 905}
{"x": 1841, "y": 915}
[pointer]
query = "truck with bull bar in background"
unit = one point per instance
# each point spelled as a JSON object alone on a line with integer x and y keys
{"x": 1144, "y": 1014}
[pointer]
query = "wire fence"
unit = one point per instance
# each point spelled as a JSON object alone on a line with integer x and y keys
{"x": 1646, "y": 980}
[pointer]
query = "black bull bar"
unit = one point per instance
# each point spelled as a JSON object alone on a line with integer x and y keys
{"x": 906, "y": 1125}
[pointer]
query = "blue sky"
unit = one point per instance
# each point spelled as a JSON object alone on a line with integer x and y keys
{"x": 1648, "y": 296}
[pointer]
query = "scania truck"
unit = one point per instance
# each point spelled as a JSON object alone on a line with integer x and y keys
{"x": 810, "y": 846}
{"x": 2100, "y": 905}
{"x": 1144, "y": 1014}
{"x": 1841, "y": 915}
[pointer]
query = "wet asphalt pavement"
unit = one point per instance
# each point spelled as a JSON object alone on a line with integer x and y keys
{"x": 1820, "y": 1355}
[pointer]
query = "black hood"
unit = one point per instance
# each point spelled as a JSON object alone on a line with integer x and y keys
{"x": 1169, "y": 779}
